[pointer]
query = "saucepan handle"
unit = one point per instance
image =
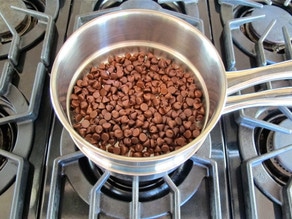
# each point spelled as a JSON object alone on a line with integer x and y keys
{"x": 239, "y": 80}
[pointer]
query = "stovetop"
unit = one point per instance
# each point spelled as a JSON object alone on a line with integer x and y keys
{"x": 241, "y": 171}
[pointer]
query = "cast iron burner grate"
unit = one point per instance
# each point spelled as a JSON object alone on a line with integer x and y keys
{"x": 172, "y": 7}
{"x": 21, "y": 178}
{"x": 121, "y": 189}
{"x": 176, "y": 6}
{"x": 127, "y": 199}
{"x": 22, "y": 34}
{"x": 265, "y": 155}
{"x": 22, "y": 23}
{"x": 264, "y": 173}
{"x": 275, "y": 15}
{"x": 20, "y": 109}
{"x": 20, "y": 138}
{"x": 262, "y": 31}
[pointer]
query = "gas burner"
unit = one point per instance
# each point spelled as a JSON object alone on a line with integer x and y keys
{"x": 281, "y": 140}
{"x": 15, "y": 137}
{"x": 26, "y": 25}
{"x": 271, "y": 12}
{"x": 262, "y": 23}
{"x": 118, "y": 190}
{"x": 7, "y": 133}
{"x": 280, "y": 166}
{"x": 271, "y": 174}
{"x": 173, "y": 6}
{"x": 20, "y": 22}
{"x": 273, "y": 43}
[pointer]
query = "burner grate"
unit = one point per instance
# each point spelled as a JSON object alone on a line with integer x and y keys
{"x": 145, "y": 4}
{"x": 244, "y": 25}
{"x": 135, "y": 208}
{"x": 249, "y": 186}
{"x": 19, "y": 41}
{"x": 16, "y": 210}
{"x": 10, "y": 66}
{"x": 287, "y": 199}
{"x": 24, "y": 63}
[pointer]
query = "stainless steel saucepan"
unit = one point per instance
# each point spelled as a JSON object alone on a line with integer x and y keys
{"x": 163, "y": 34}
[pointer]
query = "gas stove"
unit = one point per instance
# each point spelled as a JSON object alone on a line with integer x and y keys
{"x": 241, "y": 171}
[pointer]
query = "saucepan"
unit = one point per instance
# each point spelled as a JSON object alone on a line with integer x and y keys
{"x": 134, "y": 30}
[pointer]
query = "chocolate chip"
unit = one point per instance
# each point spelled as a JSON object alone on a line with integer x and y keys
{"x": 106, "y": 125}
{"x": 118, "y": 133}
{"x": 116, "y": 150}
{"x": 143, "y": 137}
{"x": 85, "y": 123}
{"x": 107, "y": 116}
{"x": 144, "y": 107}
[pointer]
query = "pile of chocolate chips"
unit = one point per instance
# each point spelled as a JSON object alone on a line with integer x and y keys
{"x": 137, "y": 105}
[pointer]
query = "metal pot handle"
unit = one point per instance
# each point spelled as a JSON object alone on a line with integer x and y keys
{"x": 239, "y": 80}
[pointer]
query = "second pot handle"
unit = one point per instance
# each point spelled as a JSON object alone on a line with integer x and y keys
{"x": 239, "y": 80}
{"x": 273, "y": 97}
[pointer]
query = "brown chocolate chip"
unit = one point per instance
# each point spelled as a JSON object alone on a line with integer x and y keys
{"x": 93, "y": 114}
{"x": 169, "y": 133}
{"x": 188, "y": 134}
{"x": 85, "y": 123}
{"x": 181, "y": 141}
{"x": 196, "y": 133}
{"x": 106, "y": 125}
{"x": 105, "y": 136}
{"x": 165, "y": 148}
{"x": 157, "y": 118}
{"x": 124, "y": 150}
{"x": 143, "y": 137}
{"x": 118, "y": 133}
{"x": 144, "y": 107}
{"x": 139, "y": 148}
{"x": 177, "y": 105}
{"x": 116, "y": 150}
{"x": 136, "y": 132}
{"x": 107, "y": 116}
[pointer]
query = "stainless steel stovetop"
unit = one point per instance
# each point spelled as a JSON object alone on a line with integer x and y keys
{"x": 243, "y": 169}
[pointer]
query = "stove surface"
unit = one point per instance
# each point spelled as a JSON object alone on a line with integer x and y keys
{"x": 243, "y": 169}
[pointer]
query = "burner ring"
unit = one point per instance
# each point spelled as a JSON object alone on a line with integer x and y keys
{"x": 17, "y": 104}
